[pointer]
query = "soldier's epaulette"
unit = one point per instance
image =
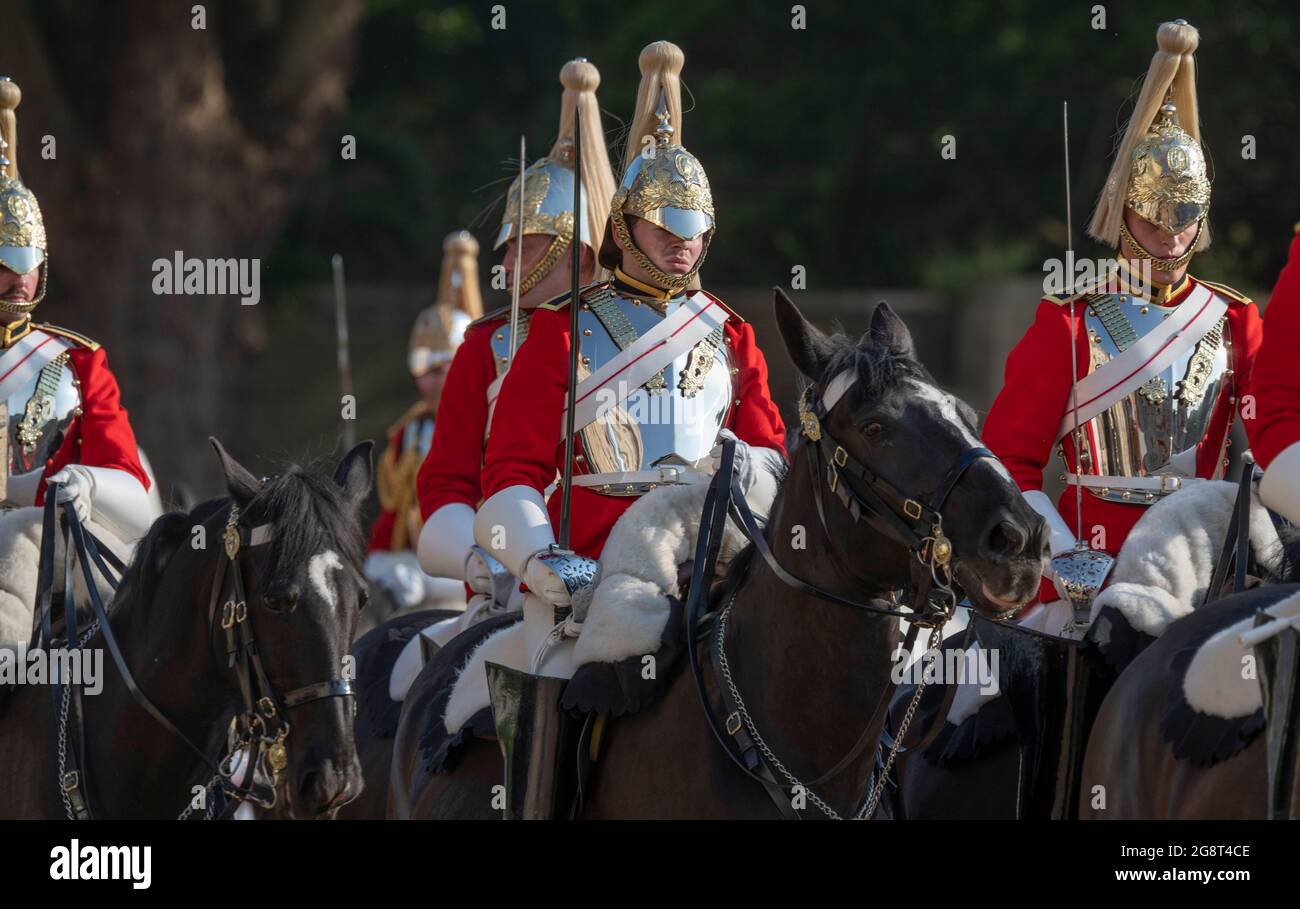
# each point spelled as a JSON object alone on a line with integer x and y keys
{"x": 67, "y": 333}
{"x": 1227, "y": 291}
{"x": 560, "y": 301}
{"x": 1064, "y": 299}
{"x": 731, "y": 312}
{"x": 498, "y": 313}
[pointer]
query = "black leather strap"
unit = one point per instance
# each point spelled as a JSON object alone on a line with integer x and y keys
{"x": 1236, "y": 542}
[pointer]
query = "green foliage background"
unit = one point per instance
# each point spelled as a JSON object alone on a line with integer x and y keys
{"x": 822, "y": 144}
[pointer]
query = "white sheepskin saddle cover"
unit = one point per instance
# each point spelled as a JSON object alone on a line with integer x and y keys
{"x": 1216, "y": 682}
{"x": 20, "y": 554}
{"x": 1161, "y": 573}
{"x": 1164, "y": 569}
{"x": 629, "y": 608}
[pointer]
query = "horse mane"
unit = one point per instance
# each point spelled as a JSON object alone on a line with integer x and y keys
{"x": 880, "y": 367}
{"x": 303, "y": 505}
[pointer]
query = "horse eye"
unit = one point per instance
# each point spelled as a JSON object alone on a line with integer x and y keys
{"x": 872, "y": 428}
{"x": 282, "y": 602}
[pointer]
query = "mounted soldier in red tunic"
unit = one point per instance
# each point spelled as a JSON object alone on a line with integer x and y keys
{"x": 1163, "y": 360}
{"x": 62, "y": 416}
{"x": 536, "y": 250}
{"x": 664, "y": 374}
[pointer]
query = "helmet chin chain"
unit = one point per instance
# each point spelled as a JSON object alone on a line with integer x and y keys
{"x": 1158, "y": 263}
{"x": 553, "y": 253}
{"x": 674, "y": 283}
{"x": 22, "y": 309}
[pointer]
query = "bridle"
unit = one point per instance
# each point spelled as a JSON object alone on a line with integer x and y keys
{"x": 259, "y": 733}
{"x": 869, "y": 498}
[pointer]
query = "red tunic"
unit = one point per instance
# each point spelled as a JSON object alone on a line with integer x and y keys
{"x": 101, "y": 435}
{"x": 450, "y": 472}
{"x": 1022, "y": 423}
{"x": 1277, "y": 383}
{"x": 393, "y": 480}
{"x": 523, "y": 448}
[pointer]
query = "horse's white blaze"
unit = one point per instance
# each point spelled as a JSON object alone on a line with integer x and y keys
{"x": 946, "y": 404}
{"x": 317, "y": 568}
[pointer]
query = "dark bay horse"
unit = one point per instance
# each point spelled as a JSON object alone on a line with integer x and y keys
{"x": 303, "y": 590}
{"x": 1151, "y": 755}
{"x": 811, "y": 672}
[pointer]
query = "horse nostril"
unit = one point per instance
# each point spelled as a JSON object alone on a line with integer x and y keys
{"x": 1007, "y": 539}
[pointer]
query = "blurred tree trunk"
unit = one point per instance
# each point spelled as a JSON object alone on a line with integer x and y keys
{"x": 171, "y": 138}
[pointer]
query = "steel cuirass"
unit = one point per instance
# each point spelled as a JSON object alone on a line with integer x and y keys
{"x": 39, "y": 414}
{"x": 1155, "y": 430}
{"x": 673, "y": 419}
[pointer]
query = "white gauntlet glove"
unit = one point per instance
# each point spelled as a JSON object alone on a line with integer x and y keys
{"x": 75, "y": 486}
{"x": 114, "y": 498}
{"x": 756, "y": 469}
{"x": 743, "y": 462}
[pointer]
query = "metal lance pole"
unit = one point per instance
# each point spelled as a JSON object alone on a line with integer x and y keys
{"x": 1080, "y": 573}
{"x": 345, "y": 358}
{"x": 566, "y": 486}
{"x": 519, "y": 260}
{"x": 1074, "y": 344}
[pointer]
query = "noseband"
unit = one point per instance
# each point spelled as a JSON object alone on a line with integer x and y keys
{"x": 259, "y": 732}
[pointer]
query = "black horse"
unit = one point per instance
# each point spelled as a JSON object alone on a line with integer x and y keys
{"x": 811, "y": 672}
{"x": 303, "y": 590}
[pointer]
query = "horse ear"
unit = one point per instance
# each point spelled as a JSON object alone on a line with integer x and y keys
{"x": 355, "y": 472}
{"x": 889, "y": 331}
{"x": 809, "y": 349}
{"x": 241, "y": 484}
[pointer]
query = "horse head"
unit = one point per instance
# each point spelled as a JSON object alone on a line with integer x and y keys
{"x": 304, "y": 590}
{"x": 885, "y": 411}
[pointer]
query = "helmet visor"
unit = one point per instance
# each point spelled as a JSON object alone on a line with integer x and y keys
{"x": 686, "y": 223}
{"x": 21, "y": 259}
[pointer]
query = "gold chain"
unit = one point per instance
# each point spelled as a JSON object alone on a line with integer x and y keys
{"x": 673, "y": 283}
{"x": 1156, "y": 262}
{"x": 543, "y": 268}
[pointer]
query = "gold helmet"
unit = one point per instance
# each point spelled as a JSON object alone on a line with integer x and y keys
{"x": 23, "y": 247}
{"x": 662, "y": 182}
{"x": 440, "y": 329}
{"x": 1160, "y": 169}
{"x": 437, "y": 333}
{"x": 548, "y": 182}
{"x": 458, "y": 284}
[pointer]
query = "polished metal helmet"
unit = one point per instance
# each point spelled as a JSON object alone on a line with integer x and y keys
{"x": 1169, "y": 185}
{"x": 1160, "y": 171}
{"x": 23, "y": 246}
{"x": 548, "y": 182}
{"x": 667, "y": 186}
{"x": 435, "y": 337}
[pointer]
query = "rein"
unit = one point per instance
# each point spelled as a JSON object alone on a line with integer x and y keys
{"x": 260, "y": 731}
{"x": 870, "y": 498}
